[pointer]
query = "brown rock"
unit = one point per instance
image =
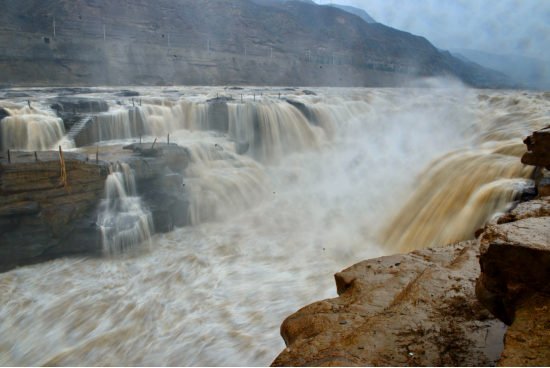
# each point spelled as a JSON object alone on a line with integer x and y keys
{"x": 538, "y": 147}
{"x": 38, "y": 216}
{"x": 401, "y": 310}
{"x": 528, "y": 339}
{"x": 513, "y": 285}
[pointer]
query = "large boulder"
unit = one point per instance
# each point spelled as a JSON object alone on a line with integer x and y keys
{"x": 417, "y": 309}
{"x": 513, "y": 284}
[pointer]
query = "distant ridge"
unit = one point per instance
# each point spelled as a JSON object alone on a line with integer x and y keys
{"x": 533, "y": 73}
{"x": 350, "y": 9}
{"x": 356, "y": 11}
{"x": 214, "y": 42}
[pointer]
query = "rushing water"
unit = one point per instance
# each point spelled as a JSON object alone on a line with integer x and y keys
{"x": 381, "y": 170}
{"x": 125, "y": 224}
{"x": 28, "y": 128}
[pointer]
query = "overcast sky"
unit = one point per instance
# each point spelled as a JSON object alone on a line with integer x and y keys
{"x": 503, "y": 27}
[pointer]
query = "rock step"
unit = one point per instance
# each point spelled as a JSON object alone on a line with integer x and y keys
{"x": 78, "y": 127}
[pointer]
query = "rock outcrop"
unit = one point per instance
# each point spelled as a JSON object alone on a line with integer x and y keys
{"x": 417, "y": 309}
{"x": 430, "y": 308}
{"x": 513, "y": 285}
{"x": 39, "y": 219}
{"x": 538, "y": 149}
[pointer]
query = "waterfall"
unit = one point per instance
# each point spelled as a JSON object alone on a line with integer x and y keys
{"x": 273, "y": 129}
{"x": 30, "y": 129}
{"x": 351, "y": 175}
{"x": 124, "y": 222}
{"x": 463, "y": 189}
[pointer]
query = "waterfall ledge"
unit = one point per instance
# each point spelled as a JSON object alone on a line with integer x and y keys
{"x": 40, "y": 220}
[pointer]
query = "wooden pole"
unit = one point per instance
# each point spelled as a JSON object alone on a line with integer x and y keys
{"x": 9, "y": 157}
{"x": 97, "y": 155}
{"x": 154, "y": 143}
{"x": 35, "y": 158}
{"x": 168, "y": 139}
{"x": 133, "y": 103}
{"x": 29, "y": 102}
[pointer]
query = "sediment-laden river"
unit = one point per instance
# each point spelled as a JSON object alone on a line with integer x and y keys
{"x": 358, "y": 174}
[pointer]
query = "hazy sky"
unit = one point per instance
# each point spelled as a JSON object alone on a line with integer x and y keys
{"x": 503, "y": 27}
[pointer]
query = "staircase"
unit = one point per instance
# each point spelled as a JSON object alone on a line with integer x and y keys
{"x": 78, "y": 127}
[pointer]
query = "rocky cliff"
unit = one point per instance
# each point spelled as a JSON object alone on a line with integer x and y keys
{"x": 212, "y": 42}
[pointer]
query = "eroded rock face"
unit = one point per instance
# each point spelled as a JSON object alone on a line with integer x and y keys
{"x": 513, "y": 285}
{"x": 401, "y": 310}
{"x": 39, "y": 220}
{"x": 528, "y": 339}
{"x": 538, "y": 149}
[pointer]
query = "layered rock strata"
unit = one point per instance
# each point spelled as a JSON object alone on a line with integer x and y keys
{"x": 41, "y": 220}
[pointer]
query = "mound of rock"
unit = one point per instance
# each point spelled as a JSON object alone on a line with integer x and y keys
{"x": 430, "y": 308}
{"x": 417, "y": 309}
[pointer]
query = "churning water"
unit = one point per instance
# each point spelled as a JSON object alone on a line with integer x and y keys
{"x": 376, "y": 171}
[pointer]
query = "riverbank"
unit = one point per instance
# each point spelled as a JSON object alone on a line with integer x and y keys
{"x": 431, "y": 307}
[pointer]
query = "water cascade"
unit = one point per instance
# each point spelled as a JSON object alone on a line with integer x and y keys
{"x": 30, "y": 129}
{"x": 275, "y": 129}
{"x": 462, "y": 190}
{"x": 125, "y": 224}
{"x": 220, "y": 182}
{"x": 351, "y": 175}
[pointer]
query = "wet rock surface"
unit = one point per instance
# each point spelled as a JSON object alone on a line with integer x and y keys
{"x": 403, "y": 310}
